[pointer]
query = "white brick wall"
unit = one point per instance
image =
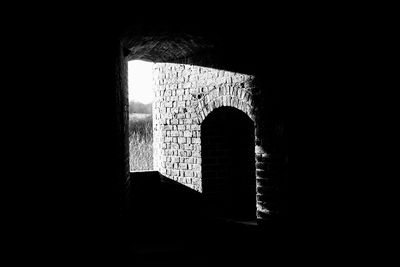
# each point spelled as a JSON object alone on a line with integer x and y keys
{"x": 185, "y": 95}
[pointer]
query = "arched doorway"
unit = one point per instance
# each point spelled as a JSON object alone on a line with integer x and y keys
{"x": 228, "y": 164}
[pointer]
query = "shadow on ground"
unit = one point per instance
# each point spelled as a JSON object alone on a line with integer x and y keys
{"x": 169, "y": 224}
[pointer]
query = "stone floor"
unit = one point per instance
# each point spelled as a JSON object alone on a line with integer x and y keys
{"x": 219, "y": 244}
{"x": 169, "y": 227}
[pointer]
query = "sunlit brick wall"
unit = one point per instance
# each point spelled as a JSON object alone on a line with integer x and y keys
{"x": 185, "y": 95}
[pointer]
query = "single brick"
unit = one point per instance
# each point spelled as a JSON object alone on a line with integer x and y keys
{"x": 183, "y": 166}
{"x": 195, "y": 127}
{"x": 187, "y": 134}
{"x": 189, "y": 174}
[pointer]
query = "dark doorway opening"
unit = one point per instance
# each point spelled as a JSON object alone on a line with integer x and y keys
{"x": 228, "y": 171}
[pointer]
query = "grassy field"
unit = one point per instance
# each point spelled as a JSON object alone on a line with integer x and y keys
{"x": 140, "y": 142}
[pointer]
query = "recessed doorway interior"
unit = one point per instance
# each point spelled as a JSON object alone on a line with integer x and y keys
{"x": 229, "y": 164}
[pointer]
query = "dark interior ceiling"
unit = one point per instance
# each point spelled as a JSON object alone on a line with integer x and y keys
{"x": 246, "y": 45}
{"x": 165, "y": 47}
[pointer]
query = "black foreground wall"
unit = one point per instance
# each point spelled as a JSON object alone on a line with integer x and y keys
{"x": 67, "y": 182}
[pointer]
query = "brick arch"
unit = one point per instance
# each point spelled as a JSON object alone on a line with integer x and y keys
{"x": 239, "y": 98}
{"x": 185, "y": 95}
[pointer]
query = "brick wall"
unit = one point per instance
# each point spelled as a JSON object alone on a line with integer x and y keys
{"x": 184, "y": 96}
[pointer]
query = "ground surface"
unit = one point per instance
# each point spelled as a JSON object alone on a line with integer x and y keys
{"x": 169, "y": 227}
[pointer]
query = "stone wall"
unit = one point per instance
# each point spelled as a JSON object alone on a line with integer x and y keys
{"x": 184, "y": 96}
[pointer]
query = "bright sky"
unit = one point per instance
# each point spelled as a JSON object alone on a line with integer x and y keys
{"x": 140, "y": 81}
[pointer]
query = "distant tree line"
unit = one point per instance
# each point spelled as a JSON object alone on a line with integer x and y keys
{"x": 138, "y": 107}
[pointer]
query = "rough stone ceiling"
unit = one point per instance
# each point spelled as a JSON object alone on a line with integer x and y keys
{"x": 165, "y": 47}
{"x": 246, "y": 46}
